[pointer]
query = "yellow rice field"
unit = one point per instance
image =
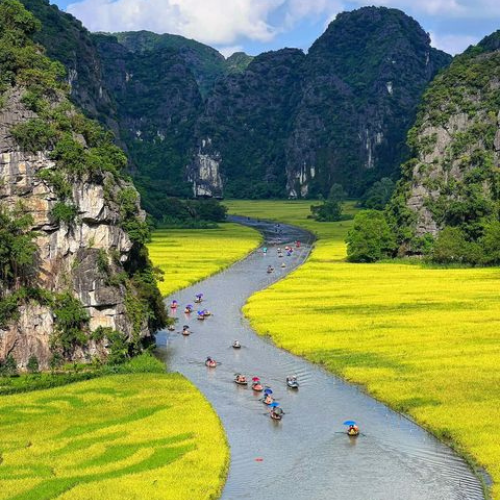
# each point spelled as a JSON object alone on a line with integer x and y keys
{"x": 425, "y": 340}
{"x": 190, "y": 255}
{"x": 128, "y": 437}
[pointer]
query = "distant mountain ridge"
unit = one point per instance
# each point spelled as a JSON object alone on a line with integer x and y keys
{"x": 282, "y": 124}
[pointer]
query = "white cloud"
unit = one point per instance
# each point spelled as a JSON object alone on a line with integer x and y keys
{"x": 298, "y": 10}
{"x": 229, "y": 51}
{"x": 216, "y": 22}
{"x": 209, "y": 21}
{"x": 452, "y": 44}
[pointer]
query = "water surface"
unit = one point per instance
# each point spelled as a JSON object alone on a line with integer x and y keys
{"x": 306, "y": 455}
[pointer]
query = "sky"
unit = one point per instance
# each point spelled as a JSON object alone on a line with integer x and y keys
{"x": 256, "y": 26}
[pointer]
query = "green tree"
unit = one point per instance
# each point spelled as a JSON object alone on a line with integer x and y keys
{"x": 331, "y": 209}
{"x": 33, "y": 364}
{"x": 452, "y": 246}
{"x": 71, "y": 323}
{"x": 490, "y": 243}
{"x": 10, "y": 366}
{"x": 379, "y": 194}
{"x": 337, "y": 194}
{"x": 370, "y": 238}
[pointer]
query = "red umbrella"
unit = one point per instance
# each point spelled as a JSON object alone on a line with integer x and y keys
{"x": 255, "y": 379}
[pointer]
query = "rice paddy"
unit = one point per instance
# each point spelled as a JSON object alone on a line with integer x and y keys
{"x": 423, "y": 339}
{"x": 128, "y": 437}
{"x": 189, "y": 255}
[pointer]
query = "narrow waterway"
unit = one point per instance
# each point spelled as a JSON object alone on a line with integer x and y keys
{"x": 306, "y": 455}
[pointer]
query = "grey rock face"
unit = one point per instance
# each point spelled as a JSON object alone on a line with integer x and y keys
{"x": 67, "y": 255}
{"x": 205, "y": 172}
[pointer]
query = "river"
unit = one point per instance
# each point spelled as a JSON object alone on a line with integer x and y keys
{"x": 306, "y": 455}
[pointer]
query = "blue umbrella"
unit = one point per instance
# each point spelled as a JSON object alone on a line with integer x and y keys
{"x": 274, "y": 405}
{"x": 349, "y": 422}
{"x": 268, "y": 391}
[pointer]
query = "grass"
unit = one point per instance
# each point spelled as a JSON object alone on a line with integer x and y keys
{"x": 189, "y": 255}
{"x": 423, "y": 339}
{"x": 132, "y": 436}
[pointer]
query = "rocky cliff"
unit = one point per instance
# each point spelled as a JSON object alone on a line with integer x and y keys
{"x": 283, "y": 123}
{"x": 294, "y": 124}
{"x": 362, "y": 82}
{"x": 452, "y": 179}
{"x": 75, "y": 278}
{"x": 248, "y": 117}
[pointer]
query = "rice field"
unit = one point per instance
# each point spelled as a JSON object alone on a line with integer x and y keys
{"x": 128, "y": 437}
{"x": 423, "y": 339}
{"x": 189, "y": 255}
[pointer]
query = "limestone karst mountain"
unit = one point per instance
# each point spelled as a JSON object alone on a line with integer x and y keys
{"x": 75, "y": 277}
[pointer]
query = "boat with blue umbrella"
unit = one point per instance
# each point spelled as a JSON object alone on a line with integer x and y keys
{"x": 276, "y": 412}
{"x": 352, "y": 428}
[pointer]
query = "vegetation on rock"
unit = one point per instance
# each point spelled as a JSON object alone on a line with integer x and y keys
{"x": 75, "y": 151}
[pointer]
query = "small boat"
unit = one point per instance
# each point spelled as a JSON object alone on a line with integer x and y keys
{"x": 257, "y": 386}
{"x": 188, "y": 310}
{"x": 198, "y": 299}
{"x": 200, "y": 316}
{"x": 352, "y": 428}
{"x": 276, "y": 412}
{"x": 186, "y": 332}
{"x": 171, "y": 328}
{"x": 236, "y": 345}
{"x": 292, "y": 382}
{"x": 206, "y": 313}
{"x": 240, "y": 379}
{"x": 268, "y": 400}
{"x": 210, "y": 363}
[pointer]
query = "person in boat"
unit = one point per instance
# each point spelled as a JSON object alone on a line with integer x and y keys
{"x": 206, "y": 313}
{"x": 174, "y": 304}
{"x": 283, "y": 265}
{"x": 188, "y": 309}
{"x": 236, "y": 344}
{"x": 210, "y": 362}
{"x": 185, "y": 330}
{"x": 270, "y": 269}
{"x": 264, "y": 250}
{"x": 241, "y": 379}
{"x": 277, "y": 413}
{"x": 297, "y": 244}
{"x": 199, "y": 298}
{"x": 353, "y": 429}
{"x": 268, "y": 399}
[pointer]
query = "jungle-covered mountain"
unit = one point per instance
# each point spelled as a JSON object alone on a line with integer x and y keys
{"x": 76, "y": 282}
{"x": 450, "y": 188}
{"x": 282, "y": 124}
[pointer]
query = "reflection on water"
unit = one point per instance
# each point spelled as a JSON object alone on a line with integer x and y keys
{"x": 306, "y": 455}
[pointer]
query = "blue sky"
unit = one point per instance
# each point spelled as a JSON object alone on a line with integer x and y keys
{"x": 259, "y": 25}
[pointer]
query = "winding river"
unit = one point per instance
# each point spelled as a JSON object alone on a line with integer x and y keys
{"x": 306, "y": 455}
